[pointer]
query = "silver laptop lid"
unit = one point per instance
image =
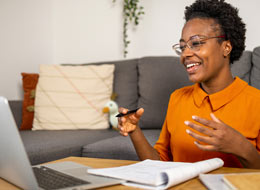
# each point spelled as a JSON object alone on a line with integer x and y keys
{"x": 14, "y": 163}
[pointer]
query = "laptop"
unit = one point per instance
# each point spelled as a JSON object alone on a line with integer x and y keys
{"x": 15, "y": 166}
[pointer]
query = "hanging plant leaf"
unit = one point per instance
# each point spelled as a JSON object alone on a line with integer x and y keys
{"x": 131, "y": 13}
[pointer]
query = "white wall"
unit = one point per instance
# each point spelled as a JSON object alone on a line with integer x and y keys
{"x": 87, "y": 30}
{"x": 163, "y": 20}
{"x": 25, "y": 41}
{"x": 37, "y": 32}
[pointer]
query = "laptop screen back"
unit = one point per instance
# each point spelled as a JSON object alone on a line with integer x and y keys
{"x": 14, "y": 163}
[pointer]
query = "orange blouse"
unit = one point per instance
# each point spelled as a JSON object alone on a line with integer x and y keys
{"x": 238, "y": 105}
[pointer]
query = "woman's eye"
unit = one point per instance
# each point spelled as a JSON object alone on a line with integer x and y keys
{"x": 182, "y": 48}
{"x": 196, "y": 43}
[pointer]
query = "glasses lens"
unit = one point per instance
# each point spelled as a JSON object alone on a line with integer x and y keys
{"x": 195, "y": 43}
{"x": 177, "y": 49}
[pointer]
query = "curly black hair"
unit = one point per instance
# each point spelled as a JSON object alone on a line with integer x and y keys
{"x": 226, "y": 16}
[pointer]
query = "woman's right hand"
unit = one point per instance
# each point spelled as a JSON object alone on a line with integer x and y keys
{"x": 128, "y": 123}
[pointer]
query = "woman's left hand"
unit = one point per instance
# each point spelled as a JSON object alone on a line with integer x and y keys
{"x": 216, "y": 135}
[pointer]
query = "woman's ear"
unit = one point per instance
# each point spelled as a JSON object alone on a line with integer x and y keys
{"x": 227, "y": 47}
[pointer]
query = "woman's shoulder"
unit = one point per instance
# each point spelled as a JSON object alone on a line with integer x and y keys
{"x": 184, "y": 91}
{"x": 252, "y": 92}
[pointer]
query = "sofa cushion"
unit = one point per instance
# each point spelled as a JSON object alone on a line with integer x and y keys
{"x": 45, "y": 146}
{"x": 242, "y": 67}
{"x": 125, "y": 82}
{"x": 70, "y": 97}
{"x": 255, "y": 72}
{"x": 118, "y": 147}
{"x": 158, "y": 78}
{"x": 30, "y": 81}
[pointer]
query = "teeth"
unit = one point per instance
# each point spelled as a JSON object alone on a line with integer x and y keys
{"x": 191, "y": 65}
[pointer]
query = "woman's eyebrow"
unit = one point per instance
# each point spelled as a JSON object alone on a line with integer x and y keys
{"x": 194, "y": 36}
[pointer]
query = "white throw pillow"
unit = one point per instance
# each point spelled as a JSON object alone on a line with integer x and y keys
{"x": 72, "y": 97}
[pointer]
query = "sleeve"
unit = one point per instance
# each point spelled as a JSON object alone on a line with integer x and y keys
{"x": 258, "y": 142}
{"x": 162, "y": 145}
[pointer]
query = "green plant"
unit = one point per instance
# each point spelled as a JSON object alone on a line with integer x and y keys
{"x": 131, "y": 13}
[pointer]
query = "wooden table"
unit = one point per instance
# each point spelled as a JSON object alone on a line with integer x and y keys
{"x": 193, "y": 184}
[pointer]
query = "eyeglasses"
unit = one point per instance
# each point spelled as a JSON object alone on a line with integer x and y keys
{"x": 194, "y": 43}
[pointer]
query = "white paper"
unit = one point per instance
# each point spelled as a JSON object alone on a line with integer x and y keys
{"x": 213, "y": 181}
{"x": 158, "y": 174}
{"x": 145, "y": 172}
{"x": 137, "y": 185}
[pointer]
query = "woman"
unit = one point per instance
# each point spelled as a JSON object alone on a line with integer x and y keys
{"x": 216, "y": 117}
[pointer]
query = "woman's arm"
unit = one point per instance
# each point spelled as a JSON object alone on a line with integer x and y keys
{"x": 128, "y": 125}
{"x": 142, "y": 147}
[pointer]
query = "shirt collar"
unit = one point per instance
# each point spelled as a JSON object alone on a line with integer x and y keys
{"x": 220, "y": 98}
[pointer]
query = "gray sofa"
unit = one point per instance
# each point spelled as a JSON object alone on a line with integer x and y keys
{"x": 145, "y": 82}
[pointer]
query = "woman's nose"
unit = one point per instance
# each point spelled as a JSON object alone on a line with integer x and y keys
{"x": 187, "y": 52}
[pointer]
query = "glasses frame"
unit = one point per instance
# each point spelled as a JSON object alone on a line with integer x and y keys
{"x": 175, "y": 47}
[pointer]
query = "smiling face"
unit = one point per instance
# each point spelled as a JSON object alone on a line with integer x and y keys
{"x": 209, "y": 64}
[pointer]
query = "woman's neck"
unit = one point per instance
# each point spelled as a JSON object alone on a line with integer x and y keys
{"x": 211, "y": 87}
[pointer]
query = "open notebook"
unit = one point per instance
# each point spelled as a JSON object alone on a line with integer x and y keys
{"x": 150, "y": 174}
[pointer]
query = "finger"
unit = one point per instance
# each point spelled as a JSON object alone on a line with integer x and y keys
{"x": 206, "y": 122}
{"x": 205, "y": 147}
{"x": 119, "y": 121}
{"x": 136, "y": 115}
{"x": 124, "y": 130}
{"x": 222, "y": 124}
{"x": 133, "y": 119}
{"x": 201, "y": 129}
{"x": 122, "y": 110}
{"x": 214, "y": 118}
{"x": 123, "y": 133}
{"x": 139, "y": 112}
{"x": 123, "y": 127}
{"x": 120, "y": 128}
{"x": 124, "y": 120}
{"x": 200, "y": 138}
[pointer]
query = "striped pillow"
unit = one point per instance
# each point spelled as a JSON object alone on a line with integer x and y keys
{"x": 72, "y": 97}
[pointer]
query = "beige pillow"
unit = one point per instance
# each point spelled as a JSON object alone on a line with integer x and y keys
{"x": 72, "y": 97}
